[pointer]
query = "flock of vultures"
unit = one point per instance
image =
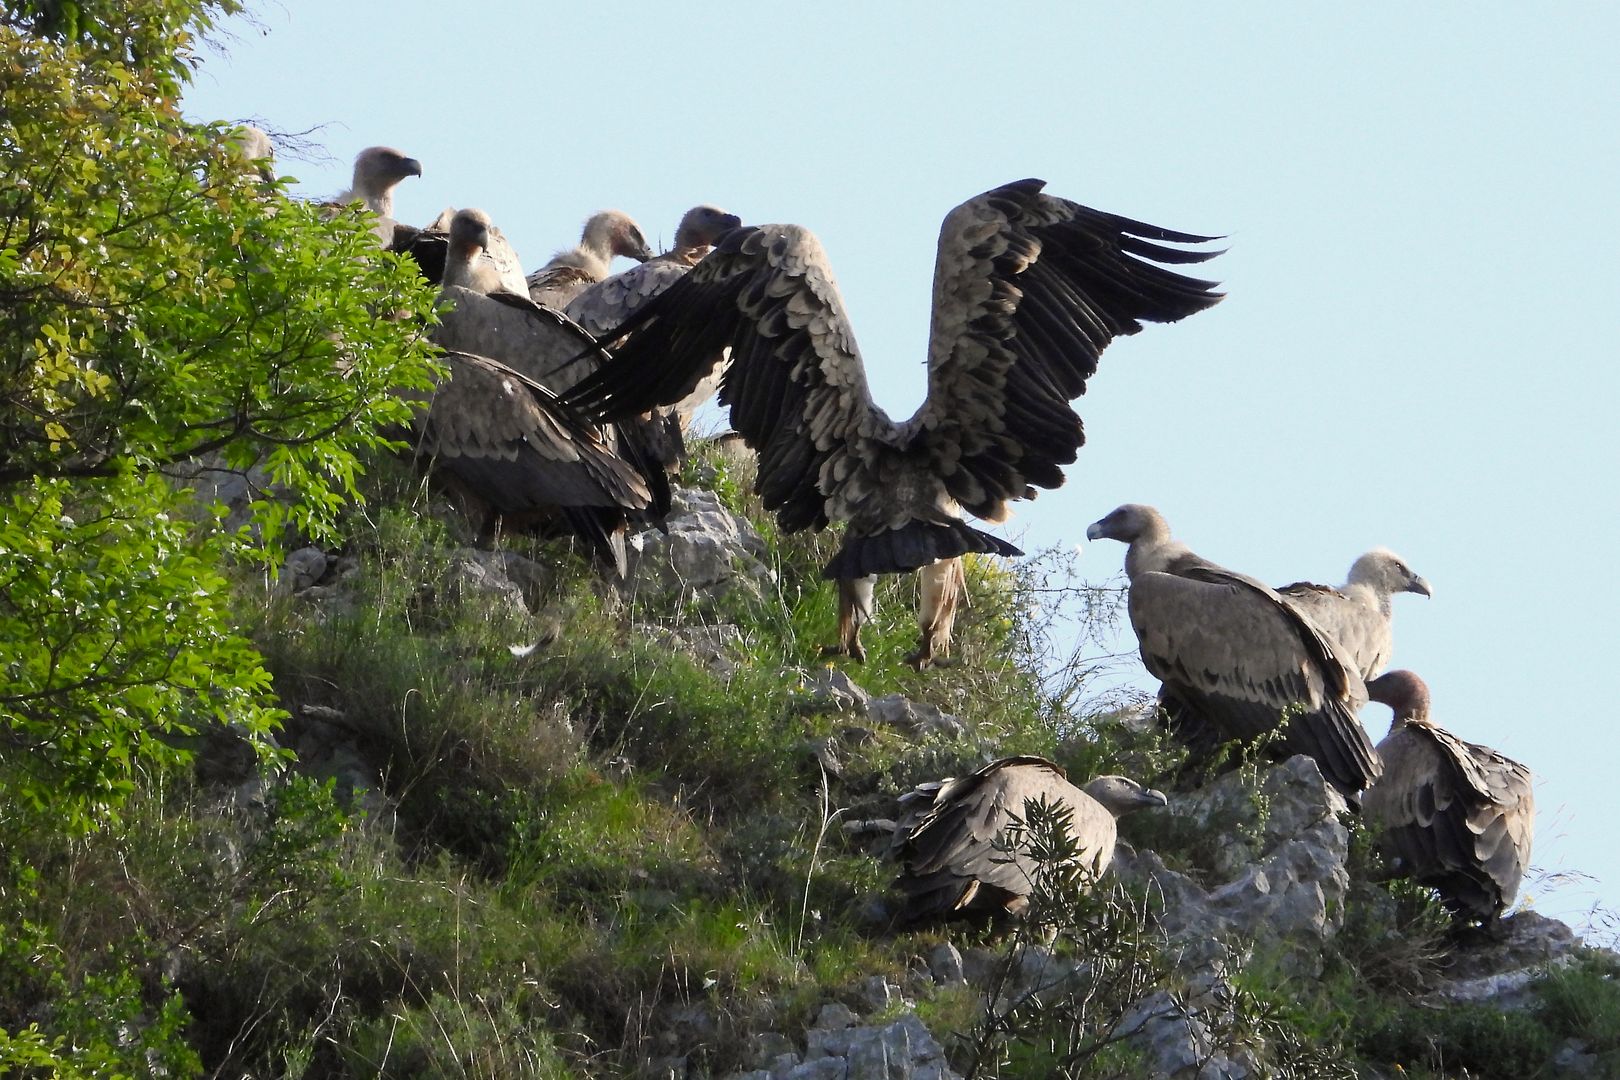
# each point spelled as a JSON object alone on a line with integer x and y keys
{"x": 568, "y": 389}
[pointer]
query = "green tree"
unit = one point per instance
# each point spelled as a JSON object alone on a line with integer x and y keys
{"x": 159, "y": 300}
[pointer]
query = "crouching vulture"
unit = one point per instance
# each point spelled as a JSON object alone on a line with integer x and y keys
{"x": 378, "y": 170}
{"x": 950, "y": 865}
{"x": 1358, "y": 613}
{"x": 1456, "y": 816}
{"x": 1237, "y": 660}
{"x": 1028, "y": 291}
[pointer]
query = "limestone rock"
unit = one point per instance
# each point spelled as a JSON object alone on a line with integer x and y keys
{"x": 916, "y": 718}
{"x": 704, "y": 551}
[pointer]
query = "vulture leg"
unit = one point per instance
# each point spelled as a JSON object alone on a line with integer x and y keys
{"x": 855, "y": 608}
{"x": 942, "y": 589}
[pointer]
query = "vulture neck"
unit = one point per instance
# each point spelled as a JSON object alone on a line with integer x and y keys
{"x": 1153, "y": 550}
{"x": 1369, "y": 596}
{"x": 458, "y": 266}
{"x": 381, "y": 202}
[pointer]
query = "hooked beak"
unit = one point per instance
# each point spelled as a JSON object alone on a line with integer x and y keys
{"x": 1154, "y": 797}
{"x": 411, "y": 166}
{"x": 1421, "y": 587}
{"x": 1094, "y": 531}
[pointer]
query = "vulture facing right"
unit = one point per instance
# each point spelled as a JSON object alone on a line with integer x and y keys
{"x": 1456, "y": 815}
{"x": 572, "y": 270}
{"x": 1029, "y": 289}
{"x": 1358, "y": 613}
{"x": 1237, "y": 660}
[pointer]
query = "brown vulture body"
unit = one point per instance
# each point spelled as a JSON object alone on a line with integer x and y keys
{"x": 504, "y": 444}
{"x": 949, "y": 862}
{"x": 1236, "y": 659}
{"x": 1028, "y": 291}
{"x": 1359, "y": 613}
{"x": 486, "y": 318}
{"x": 572, "y": 270}
{"x": 1456, "y": 815}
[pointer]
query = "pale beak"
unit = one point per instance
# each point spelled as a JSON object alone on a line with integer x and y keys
{"x": 1421, "y": 587}
{"x": 1094, "y": 531}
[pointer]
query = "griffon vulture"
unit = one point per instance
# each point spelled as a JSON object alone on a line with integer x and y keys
{"x": 1028, "y": 291}
{"x": 486, "y": 318}
{"x": 377, "y": 171}
{"x": 1358, "y": 613}
{"x": 608, "y": 303}
{"x": 1456, "y": 816}
{"x": 949, "y": 862}
{"x": 1236, "y": 659}
{"x": 430, "y": 249}
{"x": 571, "y": 270}
{"x": 505, "y": 445}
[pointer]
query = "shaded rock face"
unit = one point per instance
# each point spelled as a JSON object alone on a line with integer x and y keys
{"x": 705, "y": 551}
{"x": 1281, "y": 865}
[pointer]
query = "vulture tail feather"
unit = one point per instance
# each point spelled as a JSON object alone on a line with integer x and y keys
{"x": 915, "y": 544}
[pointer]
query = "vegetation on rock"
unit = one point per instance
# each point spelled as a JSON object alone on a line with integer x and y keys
{"x": 455, "y": 812}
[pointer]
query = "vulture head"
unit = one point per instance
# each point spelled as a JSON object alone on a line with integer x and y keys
{"x": 613, "y": 232}
{"x": 1403, "y": 692}
{"x": 377, "y": 169}
{"x": 701, "y": 226}
{"x": 1128, "y": 524}
{"x": 1120, "y": 795}
{"x": 469, "y": 231}
{"x": 1386, "y": 574}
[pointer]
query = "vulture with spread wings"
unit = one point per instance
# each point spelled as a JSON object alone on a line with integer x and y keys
{"x": 1028, "y": 291}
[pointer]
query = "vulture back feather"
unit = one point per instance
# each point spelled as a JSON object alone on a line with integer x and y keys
{"x": 1236, "y": 659}
{"x": 1457, "y": 816}
{"x": 950, "y": 863}
{"x": 1028, "y": 291}
{"x": 1358, "y": 614}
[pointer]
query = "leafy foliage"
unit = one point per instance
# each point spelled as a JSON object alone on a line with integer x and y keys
{"x": 159, "y": 301}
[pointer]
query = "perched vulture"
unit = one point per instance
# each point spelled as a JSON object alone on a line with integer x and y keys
{"x": 1456, "y": 816}
{"x": 1358, "y": 613}
{"x": 252, "y": 147}
{"x": 949, "y": 862}
{"x": 485, "y": 318}
{"x": 505, "y": 445}
{"x": 430, "y": 249}
{"x": 608, "y": 303}
{"x": 573, "y": 269}
{"x": 377, "y": 171}
{"x": 1236, "y": 659}
{"x": 1028, "y": 291}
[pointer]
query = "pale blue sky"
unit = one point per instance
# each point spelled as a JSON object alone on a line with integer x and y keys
{"x": 1418, "y": 348}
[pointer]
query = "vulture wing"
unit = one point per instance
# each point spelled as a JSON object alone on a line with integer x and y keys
{"x": 1364, "y": 632}
{"x": 1457, "y": 816}
{"x": 512, "y": 442}
{"x": 1028, "y": 291}
{"x": 1236, "y": 657}
{"x": 555, "y": 286}
{"x": 796, "y": 388}
{"x": 949, "y": 860}
{"x": 609, "y": 303}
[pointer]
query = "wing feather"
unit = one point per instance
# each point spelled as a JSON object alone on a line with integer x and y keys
{"x": 1028, "y": 291}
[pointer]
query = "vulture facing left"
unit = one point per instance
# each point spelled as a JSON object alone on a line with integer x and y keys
{"x": 949, "y": 863}
{"x": 1028, "y": 291}
{"x": 1457, "y": 816}
{"x": 1237, "y": 660}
